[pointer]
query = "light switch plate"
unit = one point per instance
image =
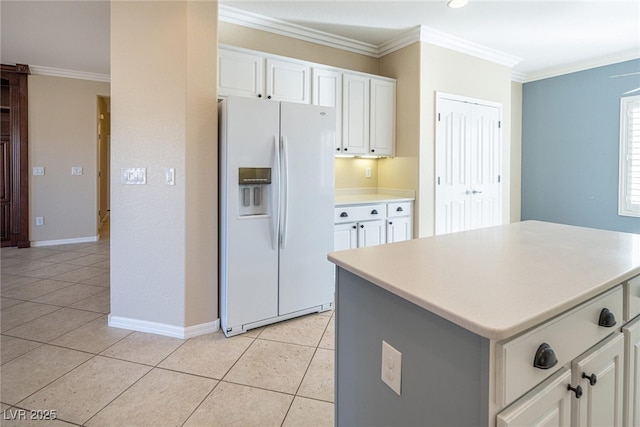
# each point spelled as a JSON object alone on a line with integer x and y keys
{"x": 391, "y": 367}
{"x": 38, "y": 170}
{"x": 76, "y": 170}
{"x": 170, "y": 176}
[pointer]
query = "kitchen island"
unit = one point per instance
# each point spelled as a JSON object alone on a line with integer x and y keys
{"x": 469, "y": 311}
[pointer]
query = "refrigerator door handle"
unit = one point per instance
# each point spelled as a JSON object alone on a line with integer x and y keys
{"x": 275, "y": 202}
{"x": 285, "y": 192}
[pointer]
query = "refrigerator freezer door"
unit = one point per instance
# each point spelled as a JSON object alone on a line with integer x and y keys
{"x": 306, "y": 276}
{"x": 249, "y": 259}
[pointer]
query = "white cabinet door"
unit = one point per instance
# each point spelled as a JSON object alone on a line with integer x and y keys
{"x": 382, "y": 138}
{"x": 240, "y": 74}
{"x": 547, "y": 405}
{"x": 632, "y": 373}
{"x": 327, "y": 92}
{"x": 355, "y": 114}
{"x": 601, "y": 403}
{"x": 345, "y": 236}
{"x": 371, "y": 233}
{"x": 399, "y": 229}
{"x": 288, "y": 81}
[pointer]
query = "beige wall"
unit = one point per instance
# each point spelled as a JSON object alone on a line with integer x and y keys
{"x": 63, "y": 123}
{"x": 351, "y": 172}
{"x": 163, "y": 111}
{"x": 445, "y": 70}
{"x": 402, "y": 171}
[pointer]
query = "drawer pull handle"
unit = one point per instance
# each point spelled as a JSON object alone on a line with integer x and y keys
{"x": 344, "y": 215}
{"x": 545, "y": 357}
{"x": 374, "y": 212}
{"x": 577, "y": 390}
{"x": 607, "y": 319}
{"x": 399, "y": 209}
{"x": 592, "y": 378}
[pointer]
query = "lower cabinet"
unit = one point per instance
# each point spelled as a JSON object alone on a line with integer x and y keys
{"x": 353, "y": 235}
{"x": 632, "y": 372}
{"x": 589, "y": 394}
{"x": 599, "y": 373}
{"x": 581, "y": 368}
{"x": 547, "y": 405}
{"x": 370, "y": 225}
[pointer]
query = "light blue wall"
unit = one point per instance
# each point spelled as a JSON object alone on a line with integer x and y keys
{"x": 570, "y": 147}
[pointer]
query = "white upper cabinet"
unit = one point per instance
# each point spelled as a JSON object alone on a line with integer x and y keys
{"x": 327, "y": 92}
{"x": 382, "y": 133}
{"x": 288, "y": 81}
{"x": 368, "y": 115}
{"x": 355, "y": 114}
{"x": 365, "y": 104}
{"x": 240, "y": 74}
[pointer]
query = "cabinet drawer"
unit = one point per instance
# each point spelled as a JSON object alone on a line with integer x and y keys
{"x": 568, "y": 335}
{"x": 398, "y": 209}
{"x": 359, "y": 213}
{"x": 632, "y": 298}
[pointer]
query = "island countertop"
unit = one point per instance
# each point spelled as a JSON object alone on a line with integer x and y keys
{"x": 499, "y": 281}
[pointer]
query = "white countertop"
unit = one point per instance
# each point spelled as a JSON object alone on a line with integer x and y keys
{"x": 499, "y": 281}
{"x": 362, "y": 196}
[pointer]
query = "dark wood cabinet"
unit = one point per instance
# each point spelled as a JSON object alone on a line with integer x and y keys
{"x": 14, "y": 187}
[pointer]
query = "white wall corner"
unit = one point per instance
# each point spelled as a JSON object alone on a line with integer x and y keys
{"x": 163, "y": 328}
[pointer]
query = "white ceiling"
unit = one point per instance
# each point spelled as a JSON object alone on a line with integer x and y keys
{"x": 545, "y": 34}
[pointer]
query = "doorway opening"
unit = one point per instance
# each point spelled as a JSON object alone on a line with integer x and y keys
{"x": 104, "y": 165}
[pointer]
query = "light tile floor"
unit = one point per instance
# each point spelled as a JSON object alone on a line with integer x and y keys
{"x": 58, "y": 354}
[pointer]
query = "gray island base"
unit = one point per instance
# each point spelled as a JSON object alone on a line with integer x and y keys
{"x": 445, "y": 368}
{"x": 503, "y": 326}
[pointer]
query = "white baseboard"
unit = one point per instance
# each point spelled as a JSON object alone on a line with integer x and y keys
{"x": 65, "y": 241}
{"x": 163, "y": 328}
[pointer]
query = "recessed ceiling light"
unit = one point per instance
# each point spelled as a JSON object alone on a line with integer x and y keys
{"x": 455, "y": 4}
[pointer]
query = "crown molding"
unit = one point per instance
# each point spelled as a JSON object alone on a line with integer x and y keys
{"x": 584, "y": 65}
{"x": 59, "y": 72}
{"x": 276, "y": 26}
{"x": 418, "y": 33}
{"x": 438, "y": 38}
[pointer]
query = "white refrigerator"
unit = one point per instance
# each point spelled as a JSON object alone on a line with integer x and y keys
{"x": 276, "y": 211}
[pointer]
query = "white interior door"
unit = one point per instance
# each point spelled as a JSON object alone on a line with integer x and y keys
{"x": 468, "y": 166}
{"x": 485, "y": 147}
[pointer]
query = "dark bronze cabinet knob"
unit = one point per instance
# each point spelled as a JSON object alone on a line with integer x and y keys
{"x": 545, "y": 357}
{"x": 607, "y": 318}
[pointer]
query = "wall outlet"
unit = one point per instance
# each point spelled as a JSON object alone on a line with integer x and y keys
{"x": 367, "y": 172}
{"x": 38, "y": 170}
{"x": 39, "y": 220}
{"x": 76, "y": 170}
{"x": 391, "y": 367}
